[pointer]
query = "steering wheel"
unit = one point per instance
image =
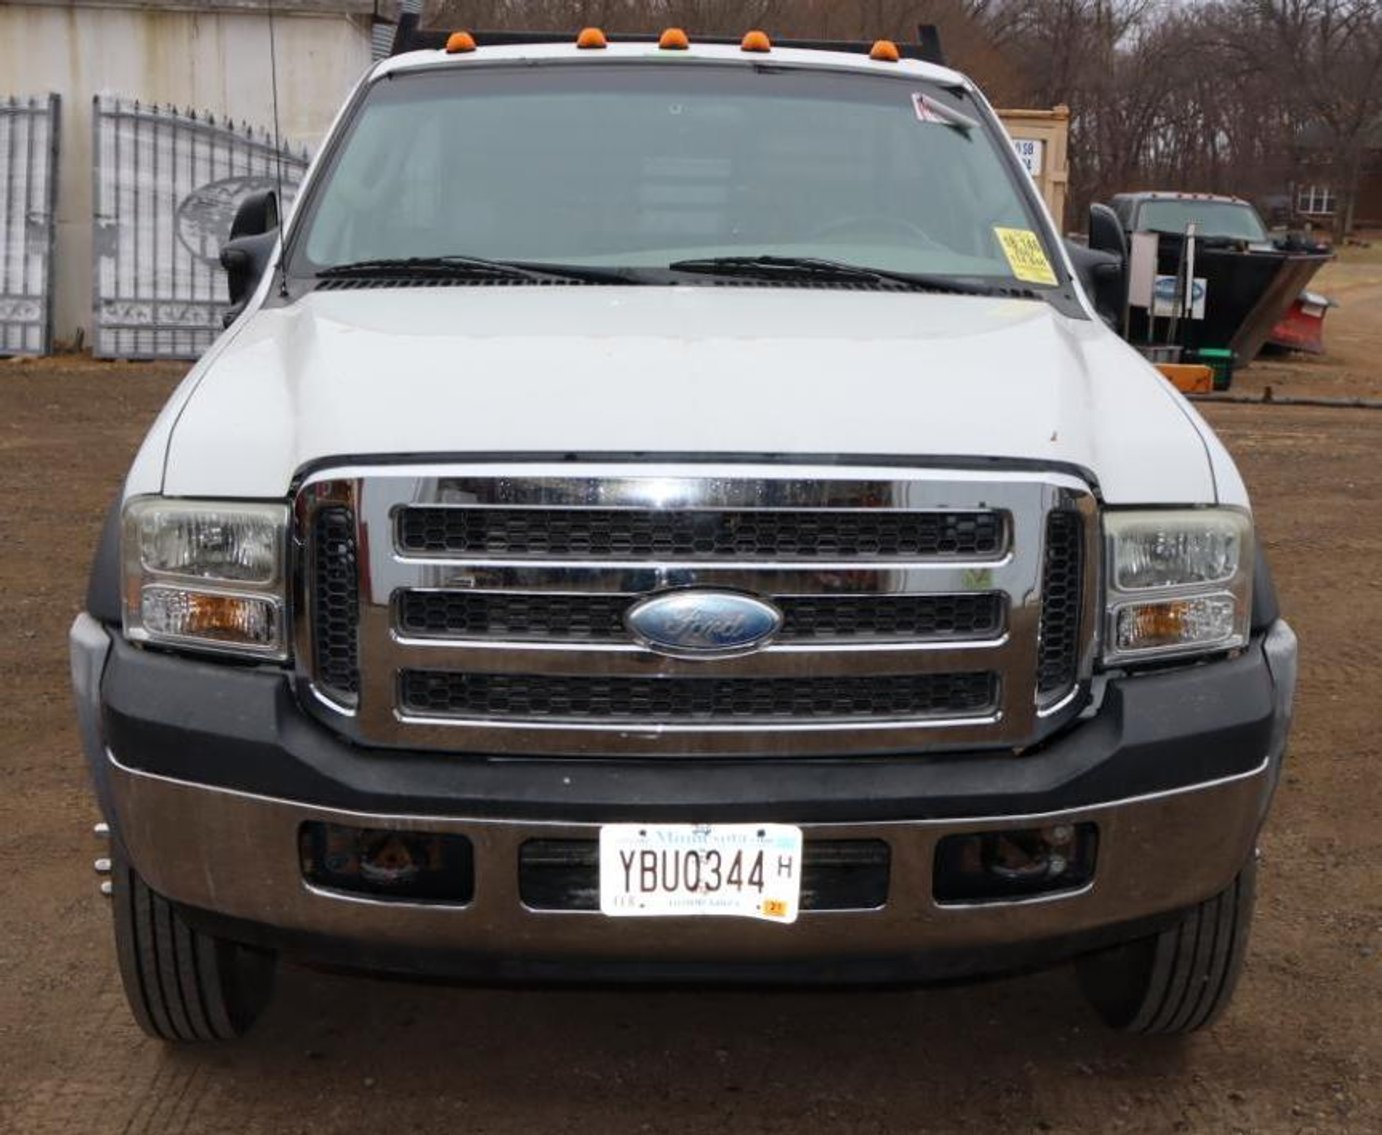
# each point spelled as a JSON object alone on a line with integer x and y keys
{"x": 877, "y": 223}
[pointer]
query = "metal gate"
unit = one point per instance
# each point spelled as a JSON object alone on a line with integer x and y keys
{"x": 167, "y": 187}
{"x": 28, "y": 208}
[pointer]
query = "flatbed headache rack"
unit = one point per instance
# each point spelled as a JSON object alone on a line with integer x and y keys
{"x": 411, "y": 36}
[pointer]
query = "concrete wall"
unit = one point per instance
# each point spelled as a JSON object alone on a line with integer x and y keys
{"x": 208, "y": 60}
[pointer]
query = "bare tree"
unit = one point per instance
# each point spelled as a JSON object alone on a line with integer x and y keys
{"x": 1326, "y": 57}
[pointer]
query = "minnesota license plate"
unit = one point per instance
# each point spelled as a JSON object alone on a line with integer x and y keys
{"x": 680, "y": 870}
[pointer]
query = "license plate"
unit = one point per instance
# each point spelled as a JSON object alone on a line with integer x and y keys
{"x": 680, "y": 870}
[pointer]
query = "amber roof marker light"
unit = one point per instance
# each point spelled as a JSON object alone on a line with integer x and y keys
{"x": 674, "y": 39}
{"x": 591, "y": 39}
{"x": 885, "y": 51}
{"x": 460, "y": 43}
{"x": 756, "y": 43}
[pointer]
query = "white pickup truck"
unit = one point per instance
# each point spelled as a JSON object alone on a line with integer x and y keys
{"x": 673, "y": 511}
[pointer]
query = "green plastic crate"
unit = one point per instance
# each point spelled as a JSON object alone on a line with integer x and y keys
{"x": 1220, "y": 360}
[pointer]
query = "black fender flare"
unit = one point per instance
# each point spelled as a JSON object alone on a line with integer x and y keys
{"x": 1265, "y": 608}
{"x": 103, "y": 584}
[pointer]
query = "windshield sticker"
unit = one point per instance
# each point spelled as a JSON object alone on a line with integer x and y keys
{"x": 925, "y": 108}
{"x": 1026, "y": 257}
{"x": 929, "y": 110}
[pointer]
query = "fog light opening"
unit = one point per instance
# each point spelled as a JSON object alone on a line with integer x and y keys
{"x": 385, "y": 864}
{"x": 996, "y": 866}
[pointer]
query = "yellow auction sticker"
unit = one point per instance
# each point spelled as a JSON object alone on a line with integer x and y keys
{"x": 1025, "y": 255}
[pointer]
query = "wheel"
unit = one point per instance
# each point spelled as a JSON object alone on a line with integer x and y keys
{"x": 1181, "y": 979}
{"x": 182, "y": 985}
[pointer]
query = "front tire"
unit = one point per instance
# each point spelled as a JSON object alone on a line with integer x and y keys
{"x": 183, "y": 986}
{"x": 1181, "y": 979}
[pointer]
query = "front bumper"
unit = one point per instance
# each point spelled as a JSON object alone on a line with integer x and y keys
{"x": 207, "y": 774}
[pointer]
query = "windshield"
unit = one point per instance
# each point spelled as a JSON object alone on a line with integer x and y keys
{"x": 1226, "y": 219}
{"x": 642, "y": 166}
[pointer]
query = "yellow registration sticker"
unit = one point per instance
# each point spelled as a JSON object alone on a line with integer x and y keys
{"x": 1025, "y": 255}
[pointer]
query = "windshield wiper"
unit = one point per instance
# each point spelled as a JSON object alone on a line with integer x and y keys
{"x": 472, "y": 267}
{"x": 823, "y": 270}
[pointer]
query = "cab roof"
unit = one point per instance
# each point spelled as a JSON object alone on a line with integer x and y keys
{"x": 625, "y": 51}
{"x": 1176, "y": 195}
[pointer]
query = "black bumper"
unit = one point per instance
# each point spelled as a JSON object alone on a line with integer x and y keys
{"x": 241, "y": 729}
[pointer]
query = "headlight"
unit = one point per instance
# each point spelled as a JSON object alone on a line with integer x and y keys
{"x": 1179, "y": 582}
{"x": 206, "y": 574}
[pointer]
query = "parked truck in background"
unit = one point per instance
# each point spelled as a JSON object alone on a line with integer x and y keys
{"x": 1249, "y": 286}
{"x": 672, "y": 511}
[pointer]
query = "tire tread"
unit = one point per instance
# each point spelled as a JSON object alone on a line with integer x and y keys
{"x": 182, "y": 986}
{"x": 1184, "y": 977}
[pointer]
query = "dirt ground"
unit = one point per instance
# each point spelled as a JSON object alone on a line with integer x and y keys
{"x": 1300, "y": 1051}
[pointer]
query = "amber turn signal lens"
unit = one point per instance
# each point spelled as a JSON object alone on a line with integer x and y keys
{"x": 591, "y": 39}
{"x": 885, "y": 51}
{"x": 674, "y": 39}
{"x": 180, "y": 613}
{"x": 1201, "y": 620}
{"x": 460, "y": 43}
{"x": 757, "y": 42}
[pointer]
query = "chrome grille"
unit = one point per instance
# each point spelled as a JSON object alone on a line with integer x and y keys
{"x": 923, "y": 609}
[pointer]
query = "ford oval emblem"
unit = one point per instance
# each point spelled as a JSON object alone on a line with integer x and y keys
{"x": 703, "y": 624}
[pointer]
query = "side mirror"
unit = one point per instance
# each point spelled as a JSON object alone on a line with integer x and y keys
{"x": 1106, "y": 231}
{"x": 256, "y": 215}
{"x": 249, "y": 252}
{"x": 1105, "y": 276}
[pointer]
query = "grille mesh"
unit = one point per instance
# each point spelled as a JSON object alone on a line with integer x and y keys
{"x": 336, "y": 601}
{"x": 1059, "y": 647}
{"x": 600, "y": 618}
{"x": 876, "y": 618}
{"x": 805, "y": 534}
{"x": 544, "y": 698}
{"x": 480, "y": 615}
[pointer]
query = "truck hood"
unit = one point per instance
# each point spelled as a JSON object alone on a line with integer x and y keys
{"x": 674, "y": 371}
